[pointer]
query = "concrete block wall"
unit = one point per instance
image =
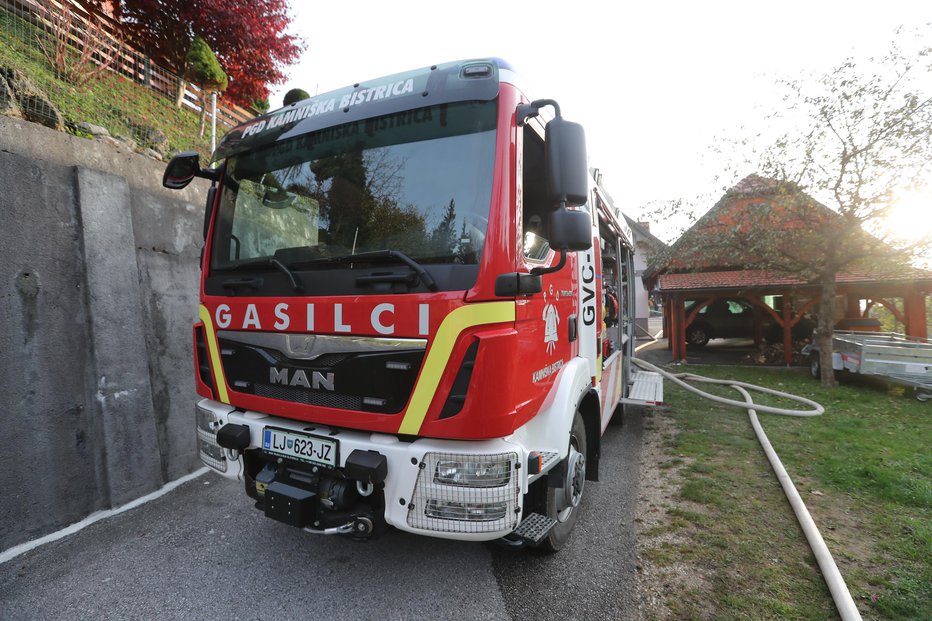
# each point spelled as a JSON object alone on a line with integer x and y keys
{"x": 98, "y": 291}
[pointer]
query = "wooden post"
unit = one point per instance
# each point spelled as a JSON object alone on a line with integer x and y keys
{"x": 853, "y": 308}
{"x": 787, "y": 331}
{"x": 679, "y": 329}
{"x": 757, "y": 324}
{"x": 914, "y": 303}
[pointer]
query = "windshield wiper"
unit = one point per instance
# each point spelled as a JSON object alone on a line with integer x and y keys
{"x": 235, "y": 283}
{"x": 382, "y": 255}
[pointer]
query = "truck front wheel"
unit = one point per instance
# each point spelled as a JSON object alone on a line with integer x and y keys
{"x": 563, "y": 503}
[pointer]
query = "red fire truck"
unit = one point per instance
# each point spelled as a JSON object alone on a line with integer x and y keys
{"x": 415, "y": 310}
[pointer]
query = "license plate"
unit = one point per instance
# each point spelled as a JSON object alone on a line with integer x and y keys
{"x": 300, "y": 446}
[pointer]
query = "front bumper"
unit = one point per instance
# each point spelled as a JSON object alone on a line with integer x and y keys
{"x": 422, "y": 491}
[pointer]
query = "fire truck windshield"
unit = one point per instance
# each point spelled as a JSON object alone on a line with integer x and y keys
{"x": 418, "y": 182}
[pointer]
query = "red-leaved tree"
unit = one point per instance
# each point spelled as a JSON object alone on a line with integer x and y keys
{"x": 248, "y": 36}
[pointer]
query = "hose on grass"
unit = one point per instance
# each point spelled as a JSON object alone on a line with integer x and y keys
{"x": 680, "y": 379}
{"x": 836, "y": 584}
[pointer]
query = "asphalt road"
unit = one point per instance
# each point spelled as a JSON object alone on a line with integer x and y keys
{"x": 203, "y": 552}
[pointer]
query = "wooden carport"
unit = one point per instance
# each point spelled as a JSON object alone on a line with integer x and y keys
{"x": 860, "y": 293}
{"x": 766, "y": 237}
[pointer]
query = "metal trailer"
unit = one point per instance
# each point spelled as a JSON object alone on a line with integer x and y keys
{"x": 896, "y": 358}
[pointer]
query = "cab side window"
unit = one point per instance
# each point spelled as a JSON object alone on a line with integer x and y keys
{"x": 535, "y": 210}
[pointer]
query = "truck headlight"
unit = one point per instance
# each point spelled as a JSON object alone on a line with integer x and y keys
{"x": 206, "y": 420}
{"x": 468, "y": 511}
{"x": 463, "y": 493}
{"x": 486, "y": 471}
{"x": 206, "y": 424}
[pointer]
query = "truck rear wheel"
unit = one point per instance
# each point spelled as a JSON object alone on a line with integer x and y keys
{"x": 563, "y": 503}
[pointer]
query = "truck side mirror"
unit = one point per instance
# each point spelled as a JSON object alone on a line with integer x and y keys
{"x": 565, "y": 163}
{"x": 183, "y": 168}
{"x": 570, "y": 230}
{"x": 567, "y": 182}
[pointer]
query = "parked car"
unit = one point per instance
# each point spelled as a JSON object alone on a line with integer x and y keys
{"x": 728, "y": 318}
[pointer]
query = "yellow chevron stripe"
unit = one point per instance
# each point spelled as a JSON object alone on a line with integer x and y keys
{"x": 214, "y": 352}
{"x": 453, "y": 325}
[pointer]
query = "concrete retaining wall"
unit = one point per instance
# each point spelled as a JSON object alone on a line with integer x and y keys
{"x": 98, "y": 292}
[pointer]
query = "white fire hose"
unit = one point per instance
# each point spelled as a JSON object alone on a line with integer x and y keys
{"x": 836, "y": 584}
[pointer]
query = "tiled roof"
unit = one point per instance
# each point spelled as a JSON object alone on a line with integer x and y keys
{"x": 749, "y": 279}
{"x": 740, "y": 279}
{"x": 720, "y": 247}
{"x": 757, "y": 185}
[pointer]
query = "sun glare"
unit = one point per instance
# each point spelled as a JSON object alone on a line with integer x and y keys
{"x": 911, "y": 217}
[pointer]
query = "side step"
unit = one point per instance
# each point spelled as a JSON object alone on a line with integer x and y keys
{"x": 534, "y": 528}
{"x": 548, "y": 461}
{"x": 646, "y": 389}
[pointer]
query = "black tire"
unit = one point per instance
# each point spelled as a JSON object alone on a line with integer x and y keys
{"x": 815, "y": 365}
{"x": 697, "y": 336}
{"x": 560, "y": 507}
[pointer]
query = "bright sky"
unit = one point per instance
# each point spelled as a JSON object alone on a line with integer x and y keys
{"x": 652, "y": 82}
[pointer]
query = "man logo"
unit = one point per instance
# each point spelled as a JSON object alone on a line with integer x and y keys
{"x": 319, "y": 381}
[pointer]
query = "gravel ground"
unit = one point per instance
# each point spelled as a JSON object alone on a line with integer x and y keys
{"x": 657, "y": 494}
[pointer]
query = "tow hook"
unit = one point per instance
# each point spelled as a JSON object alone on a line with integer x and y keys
{"x": 360, "y": 528}
{"x": 344, "y": 529}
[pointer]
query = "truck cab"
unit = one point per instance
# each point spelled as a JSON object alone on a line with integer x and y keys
{"x": 406, "y": 313}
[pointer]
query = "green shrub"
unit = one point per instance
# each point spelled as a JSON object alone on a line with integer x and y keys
{"x": 201, "y": 67}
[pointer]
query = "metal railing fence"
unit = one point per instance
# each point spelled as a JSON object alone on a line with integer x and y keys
{"x": 69, "y": 68}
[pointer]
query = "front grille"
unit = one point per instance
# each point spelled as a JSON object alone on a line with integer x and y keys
{"x": 349, "y": 373}
{"x": 307, "y": 397}
{"x": 328, "y": 361}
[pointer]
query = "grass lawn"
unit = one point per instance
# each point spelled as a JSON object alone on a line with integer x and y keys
{"x": 864, "y": 470}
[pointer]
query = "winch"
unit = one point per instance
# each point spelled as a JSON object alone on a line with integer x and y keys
{"x": 320, "y": 500}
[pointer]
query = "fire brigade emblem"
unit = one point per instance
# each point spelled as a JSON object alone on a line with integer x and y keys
{"x": 551, "y": 325}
